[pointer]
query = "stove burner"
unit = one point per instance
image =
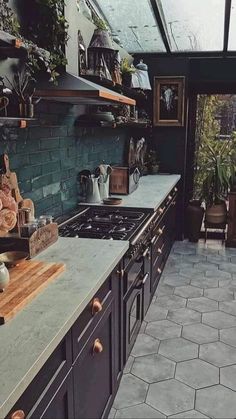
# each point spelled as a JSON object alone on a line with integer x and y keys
{"x": 120, "y": 228}
{"x": 86, "y": 226}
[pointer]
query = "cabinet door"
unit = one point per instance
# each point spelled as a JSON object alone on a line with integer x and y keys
{"x": 93, "y": 370}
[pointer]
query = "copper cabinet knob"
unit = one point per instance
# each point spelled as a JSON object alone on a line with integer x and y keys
{"x": 169, "y": 197}
{"x": 160, "y": 210}
{"x": 175, "y": 189}
{"x": 160, "y": 231}
{"x": 159, "y": 270}
{"x": 96, "y": 306}
{"x": 97, "y": 346}
{"x": 159, "y": 250}
{"x": 18, "y": 414}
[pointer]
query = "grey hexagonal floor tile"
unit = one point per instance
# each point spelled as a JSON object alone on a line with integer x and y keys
{"x": 219, "y": 294}
{"x": 228, "y": 267}
{"x": 218, "y": 402}
{"x": 184, "y": 250}
{"x": 176, "y": 280}
{"x": 155, "y": 313}
{"x": 143, "y": 327}
{"x": 163, "y": 329}
{"x": 219, "y": 319}
{"x": 171, "y": 302}
{"x": 140, "y": 411}
{"x": 132, "y": 391}
{"x": 197, "y": 373}
{"x": 190, "y": 414}
{"x": 200, "y": 333}
{"x": 145, "y": 345}
{"x": 202, "y": 304}
{"x": 228, "y": 307}
{"x": 217, "y": 258}
{"x": 228, "y": 336}
{"x": 218, "y": 274}
{"x": 178, "y": 349}
{"x": 228, "y": 377}
{"x": 194, "y": 258}
{"x": 184, "y": 316}
{"x": 128, "y": 365}
{"x": 206, "y": 266}
{"x": 203, "y": 282}
{"x": 191, "y": 273}
{"x": 218, "y": 354}
{"x": 170, "y": 397}
{"x": 153, "y": 368}
{"x": 188, "y": 291}
{"x": 164, "y": 289}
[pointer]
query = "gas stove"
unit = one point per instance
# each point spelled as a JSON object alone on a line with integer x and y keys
{"x": 100, "y": 223}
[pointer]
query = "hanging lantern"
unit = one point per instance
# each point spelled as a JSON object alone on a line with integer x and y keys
{"x": 140, "y": 79}
{"x": 101, "y": 50}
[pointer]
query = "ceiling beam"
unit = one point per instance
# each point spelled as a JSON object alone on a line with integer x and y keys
{"x": 160, "y": 25}
{"x": 226, "y": 24}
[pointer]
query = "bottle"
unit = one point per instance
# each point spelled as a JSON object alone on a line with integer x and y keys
{"x": 4, "y": 277}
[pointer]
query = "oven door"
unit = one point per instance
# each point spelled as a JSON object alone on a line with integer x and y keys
{"x": 133, "y": 307}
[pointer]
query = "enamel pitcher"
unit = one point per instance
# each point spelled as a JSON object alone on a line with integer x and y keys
{"x": 92, "y": 190}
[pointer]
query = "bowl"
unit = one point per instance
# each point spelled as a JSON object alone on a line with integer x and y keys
{"x": 13, "y": 258}
{"x": 112, "y": 201}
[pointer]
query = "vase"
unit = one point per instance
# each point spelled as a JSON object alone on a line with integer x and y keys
{"x": 4, "y": 277}
{"x": 194, "y": 216}
{"x": 216, "y": 214}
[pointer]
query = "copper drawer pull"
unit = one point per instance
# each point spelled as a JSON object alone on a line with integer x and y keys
{"x": 18, "y": 414}
{"x": 121, "y": 272}
{"x": 159, "y": 270}
{"x": 161, "y": 230}
{"x": 97, "y": 346}
{"x": 96, "y": 306}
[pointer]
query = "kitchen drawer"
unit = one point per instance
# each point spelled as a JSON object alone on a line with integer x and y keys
{"x": 47, "y": 380}
{"x": 91, "y": 315}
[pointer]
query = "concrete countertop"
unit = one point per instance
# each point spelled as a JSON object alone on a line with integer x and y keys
{"x": 152, "y": 190}
{"x": 27, "y": 340}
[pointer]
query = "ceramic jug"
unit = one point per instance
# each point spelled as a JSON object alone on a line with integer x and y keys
{"x": 92, "y": 190}
{"x": 4, "y": 276}
{"x": 104, "y": 180}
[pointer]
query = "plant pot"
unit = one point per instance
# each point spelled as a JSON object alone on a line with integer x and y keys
{"x": 127, "y": 79}
{"x": 216, "y": 214}
{"x": 194, "y": 215}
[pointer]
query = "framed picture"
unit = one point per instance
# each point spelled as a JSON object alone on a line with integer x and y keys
{"x": 168, "y": 101}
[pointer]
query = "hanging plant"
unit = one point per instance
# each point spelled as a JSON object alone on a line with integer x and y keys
{"x": 45, "y": 38}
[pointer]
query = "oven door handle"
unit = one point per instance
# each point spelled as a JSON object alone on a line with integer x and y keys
{"x": 142, "y": 283}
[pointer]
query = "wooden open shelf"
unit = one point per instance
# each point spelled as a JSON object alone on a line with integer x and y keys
{"x": 20, "y": 122}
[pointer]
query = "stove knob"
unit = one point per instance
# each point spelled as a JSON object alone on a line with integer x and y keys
{"x": 169, "y": 198}
{"x": 160, "y": 210}
{"x": 175, "y": 189}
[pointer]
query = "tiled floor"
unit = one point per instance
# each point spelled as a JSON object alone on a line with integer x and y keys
{"x": 183, "y": 364}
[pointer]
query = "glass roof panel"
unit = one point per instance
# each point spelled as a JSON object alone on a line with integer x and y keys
{"x": 134, "y": 22}
{"x": 232, "y": 27}
{"x": 194, "y": 25}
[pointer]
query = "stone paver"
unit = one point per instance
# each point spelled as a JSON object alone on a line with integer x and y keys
{"x": 170, "y": 397}
{"x": 200, "y": 333}
{"x": 219, "y": 294}
{"x": 153, "y": 368}
{"x": 140, "y": 411}
{"x": 218, "y": 402}
{"x": 132, "y": 391}
{"x": 145, "y": 345}
{"x": 228, "y": 336}
{"x": 218, "y": 353}
{"x": 171, "y": 302}
{"x": 202, "y": 304}
{"x": 178, "y": 349}
{"x": 188, "y": 291}
{"x": 228, "y": 307}
{"x": 219, "y": 319}
{"x": 183, "y": 364}
{"x": 197, "y": 373}
{"x": 228, "y": 377}
{"x": 155, "y": 313}
{"x": 184, "y": 316}
{"x": 163, "y": 329}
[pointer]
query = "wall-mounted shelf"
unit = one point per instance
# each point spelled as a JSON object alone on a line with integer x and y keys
{"x": 16, "y": 121}
{"x": 104, "y": 124}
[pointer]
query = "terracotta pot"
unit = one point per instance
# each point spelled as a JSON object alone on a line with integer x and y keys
{"x": 216, "y": 214}
{"x": 194, "y": 215}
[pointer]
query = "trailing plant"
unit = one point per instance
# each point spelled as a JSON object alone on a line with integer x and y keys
{"x": 22, "y": 84}
{"x": 218, "y": 167}
{"x": 8, "y": 19}
{"x": 101, "y": 24}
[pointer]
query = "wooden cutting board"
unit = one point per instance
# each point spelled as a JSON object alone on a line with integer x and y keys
{"x": 26, "y": 281}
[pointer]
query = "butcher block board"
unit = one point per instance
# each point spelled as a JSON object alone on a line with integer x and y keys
{"x": 26, "y": 281}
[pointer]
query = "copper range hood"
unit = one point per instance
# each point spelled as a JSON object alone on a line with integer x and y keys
{"x": 76, "y": 90}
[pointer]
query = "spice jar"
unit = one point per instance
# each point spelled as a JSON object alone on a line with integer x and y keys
{"x": 4, "y": 277}
{"x": 48, "y": 218}
{"x": 28, "y": 229}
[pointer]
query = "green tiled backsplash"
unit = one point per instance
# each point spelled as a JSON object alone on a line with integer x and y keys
{"x": 48, "y": 157}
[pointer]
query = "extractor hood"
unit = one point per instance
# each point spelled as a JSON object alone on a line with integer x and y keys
{"x": 73, "y": 89}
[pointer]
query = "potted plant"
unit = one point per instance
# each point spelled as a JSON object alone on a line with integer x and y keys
{"x": 218, "y": 170}
{"x": 126, "y": 72}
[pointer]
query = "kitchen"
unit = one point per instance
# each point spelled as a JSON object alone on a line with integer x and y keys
{"x": 113, "y": 322}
